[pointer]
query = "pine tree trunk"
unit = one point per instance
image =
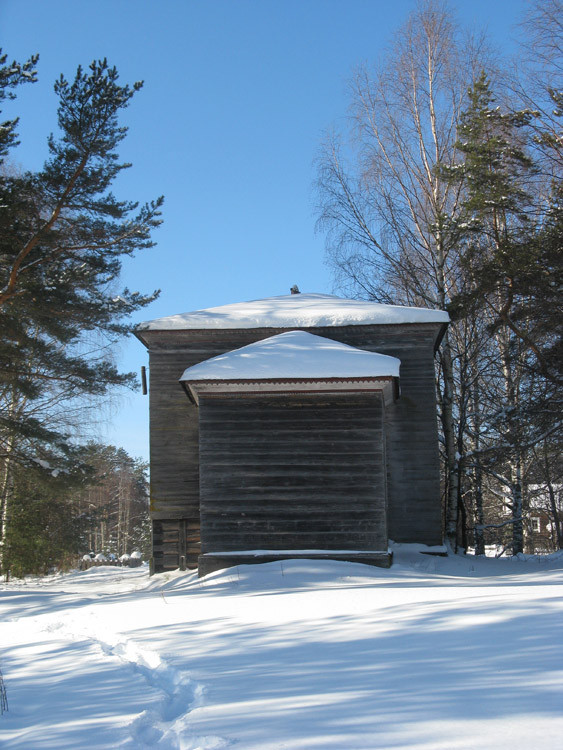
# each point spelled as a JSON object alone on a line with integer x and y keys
{"x": 119, "y": 531}
{"x": 556, "y": 520}
{"x": 479, "y": 516}
{"x": 517, "y": 526}
{"x": 448, "y": 427}
{"x": 512, "y": 437}
{"x": 6, "y": 480}
{"x": 127, "y": 526}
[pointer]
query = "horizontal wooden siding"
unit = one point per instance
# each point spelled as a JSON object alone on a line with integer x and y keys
{"x": 292, "y": 472}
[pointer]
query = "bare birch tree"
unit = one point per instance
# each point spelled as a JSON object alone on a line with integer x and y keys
{"x": 385, "y": 207}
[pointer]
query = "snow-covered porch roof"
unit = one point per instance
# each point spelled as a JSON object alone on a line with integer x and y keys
{"x": 293, "y": 361}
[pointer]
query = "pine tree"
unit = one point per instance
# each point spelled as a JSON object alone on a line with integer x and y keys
{"x": 44, "y": 531}
{"x": 500, "y": 228}
{"x": 512, "y": 242}
{"x": 13, "y": 75}
{"x": 62, "y": 239}
{"x": 63, "y": 236}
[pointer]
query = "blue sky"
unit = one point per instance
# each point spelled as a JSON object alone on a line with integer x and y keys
{"x": 237, "y": 96}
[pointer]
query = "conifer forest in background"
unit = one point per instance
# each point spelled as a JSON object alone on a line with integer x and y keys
{"x": 444, "y": 191}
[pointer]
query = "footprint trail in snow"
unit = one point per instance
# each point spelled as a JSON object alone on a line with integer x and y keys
{"x": 166, "y": 726}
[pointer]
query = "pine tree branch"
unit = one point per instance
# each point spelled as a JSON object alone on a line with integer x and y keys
{"x": 9, "y": 290}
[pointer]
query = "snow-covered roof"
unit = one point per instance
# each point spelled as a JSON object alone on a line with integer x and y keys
{"x": 294, "y": 354}
{"x": 296, "y": 310}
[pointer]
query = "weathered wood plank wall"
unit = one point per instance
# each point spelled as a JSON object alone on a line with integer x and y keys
{"x": 304, "y": 471}
{"x": 412, "y": 438}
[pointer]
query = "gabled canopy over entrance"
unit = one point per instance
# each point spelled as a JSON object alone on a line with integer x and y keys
{"x": 295, "y": 361}
{"x": 295, "y": 354}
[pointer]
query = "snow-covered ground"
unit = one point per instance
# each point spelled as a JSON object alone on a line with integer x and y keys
{"x": 434, "y": 653}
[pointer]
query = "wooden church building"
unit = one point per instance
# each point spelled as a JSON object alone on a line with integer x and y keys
{"x": 294, "y": 426}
